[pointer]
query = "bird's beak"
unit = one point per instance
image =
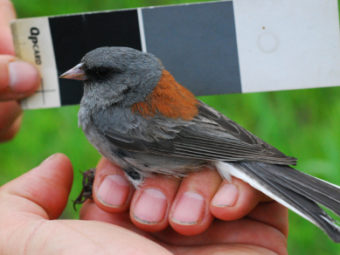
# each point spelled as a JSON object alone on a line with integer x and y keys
{"x": 75, "y": 73}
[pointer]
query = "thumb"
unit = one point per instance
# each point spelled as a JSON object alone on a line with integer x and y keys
{"x": 43, "y": 191}
{"x": 18, "y": 79}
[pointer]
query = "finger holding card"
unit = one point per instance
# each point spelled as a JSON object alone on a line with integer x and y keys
{"x": 18, "y": 79}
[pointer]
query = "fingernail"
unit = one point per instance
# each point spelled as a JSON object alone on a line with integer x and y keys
{"x": 22, "y": 76}
{"x": 189, "y": 209}
{"x": 151, "y": 206}
{"x": 226, "y": 196}
{"x": 113, "y": 191}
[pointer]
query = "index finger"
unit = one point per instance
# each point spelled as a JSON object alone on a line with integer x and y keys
{"x": 7, "y": 14}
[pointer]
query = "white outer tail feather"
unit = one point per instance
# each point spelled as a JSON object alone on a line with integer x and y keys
{"x": 226, "y": 170}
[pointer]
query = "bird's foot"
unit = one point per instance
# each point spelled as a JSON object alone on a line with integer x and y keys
{"x": 86, "y": 192}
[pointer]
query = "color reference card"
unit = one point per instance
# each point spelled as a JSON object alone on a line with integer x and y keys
{"x": 219, "y": 47}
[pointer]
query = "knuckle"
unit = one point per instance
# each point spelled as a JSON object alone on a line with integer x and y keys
{"x": 9, "y": 114}
{"x": 8, "y": 136}
{"x": 3, "y": 74}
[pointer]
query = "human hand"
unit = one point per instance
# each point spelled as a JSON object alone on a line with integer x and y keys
{"x": 31, "y": 204}
{"x": 18, "y": 79}
{"x": 250, "y": 223}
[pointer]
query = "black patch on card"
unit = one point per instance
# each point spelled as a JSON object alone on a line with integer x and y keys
{"x": 73, "y": 36}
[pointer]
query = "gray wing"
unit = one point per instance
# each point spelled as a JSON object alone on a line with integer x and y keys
{"x": 209, "y": 136}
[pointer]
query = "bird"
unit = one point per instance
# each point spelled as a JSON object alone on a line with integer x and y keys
{"x": 138, "y": 116}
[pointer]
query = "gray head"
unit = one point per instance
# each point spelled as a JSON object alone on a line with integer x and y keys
{"x": 116, "y": 75}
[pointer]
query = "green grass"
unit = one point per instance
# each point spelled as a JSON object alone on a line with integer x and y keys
{"x": 302, "y": 123}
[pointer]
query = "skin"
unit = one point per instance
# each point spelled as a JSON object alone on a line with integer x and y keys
{"x": 27, "y": 82}
{"x": 29, "y": 222}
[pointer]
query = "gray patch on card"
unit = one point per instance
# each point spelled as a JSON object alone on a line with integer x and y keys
{"x": 197, "y": 44}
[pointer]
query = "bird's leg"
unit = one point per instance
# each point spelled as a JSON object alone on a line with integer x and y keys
{"x": 86, "y": 192}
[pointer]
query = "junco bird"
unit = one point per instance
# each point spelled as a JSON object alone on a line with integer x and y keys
{"x": 136, "y": 115}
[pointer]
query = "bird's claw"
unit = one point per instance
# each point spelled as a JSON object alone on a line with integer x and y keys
{"x": 86, "y": 192}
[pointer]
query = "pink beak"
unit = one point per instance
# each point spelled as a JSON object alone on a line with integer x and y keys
{"x": 75, "y": 73}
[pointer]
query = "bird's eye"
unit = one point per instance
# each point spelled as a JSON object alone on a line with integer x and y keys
{"x": 99, "y": 73}
{"x": 102, "y": 72}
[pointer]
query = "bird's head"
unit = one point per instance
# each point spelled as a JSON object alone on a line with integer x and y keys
{"x": 116, "y": 75}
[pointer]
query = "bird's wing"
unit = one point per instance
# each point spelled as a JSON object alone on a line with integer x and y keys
{"x": 218, "y": 135}
{"x": 209, "y": 136}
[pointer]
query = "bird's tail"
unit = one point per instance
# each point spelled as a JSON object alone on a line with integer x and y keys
{"x": 297, "y": 191}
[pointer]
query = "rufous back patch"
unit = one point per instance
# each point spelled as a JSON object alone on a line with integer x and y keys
{"x": 170, "y": 99}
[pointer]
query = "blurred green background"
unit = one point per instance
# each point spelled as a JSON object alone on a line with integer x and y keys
{"x": 303, "y": 123}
